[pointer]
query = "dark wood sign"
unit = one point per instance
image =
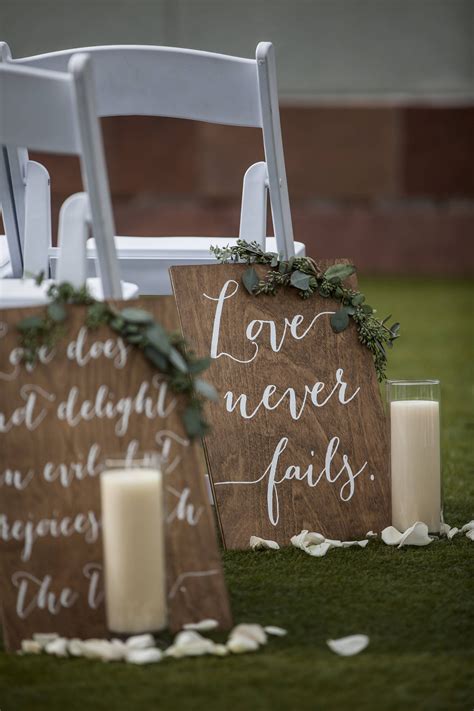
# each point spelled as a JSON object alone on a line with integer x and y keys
{"x": 299, "y": 438}
{"x": 91, "y": 398}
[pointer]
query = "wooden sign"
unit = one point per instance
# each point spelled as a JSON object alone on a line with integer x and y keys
{"x": 299, "y": 438}
{"x": 92, "y": 397}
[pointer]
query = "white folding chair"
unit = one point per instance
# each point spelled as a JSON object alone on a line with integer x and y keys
{"x": 55, "y": 112}
{"x": 181, "y": 83}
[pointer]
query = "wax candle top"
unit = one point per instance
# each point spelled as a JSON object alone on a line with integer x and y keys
{"x": 421, "y": 404}
{"x": 133, "y": 477}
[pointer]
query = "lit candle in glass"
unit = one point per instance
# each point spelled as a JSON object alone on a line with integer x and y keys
{"x": 133, "y": 545}
{"x": 415, "y": 453}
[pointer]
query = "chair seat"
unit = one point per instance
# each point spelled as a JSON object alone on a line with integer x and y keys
{"x": 15, "y": 293}
{"x": 147, "y": 259}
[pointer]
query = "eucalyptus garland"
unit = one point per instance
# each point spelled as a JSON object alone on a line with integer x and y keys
{"x": 167, "y": 352}
{"x": 304, "y": 274}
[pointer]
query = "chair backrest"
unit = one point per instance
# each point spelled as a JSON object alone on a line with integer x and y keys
{"x": 203, "y": 86}
{"x": 55, "y": 112}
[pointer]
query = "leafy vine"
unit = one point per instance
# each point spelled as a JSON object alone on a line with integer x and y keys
{"x": 304, "y": 274}
{"x": 167, "y": 352}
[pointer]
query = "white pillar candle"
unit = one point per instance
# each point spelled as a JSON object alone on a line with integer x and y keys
{"x": 416, "y": 469}
{"x": 134, "y": 556}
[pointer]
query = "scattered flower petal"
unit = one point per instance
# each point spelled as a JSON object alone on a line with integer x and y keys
{"x": 31, "y": 646}
{"x": 416, "y": 535}
{"x": 57, "y": 647}
{"x": 44, "y": 637}
{"x": 444, "y": 529}
{"x": 239, "y": 644}
{"x": 349, "y": 544}
{"x": 452, "y": 532}
{"x": 307, "y": 538}
{"x": 190, "y": 644}
{"x": 391, "y": 536}
{"x": 202, "y": 626}
{"x": 140, "y": 641}
{"x": 468, "y": 527}
{"x": 102, "y": 649}
{"x": 74, "y": 647}
{"x": 260, "y": 544}
{"x": 371, "y": 534}
{"x": 147, "y": 655}
{"x": 219, "y": 650}
{"x": 318, "y": 550}
{"x": 275, "y": 631}
{"x": 252, "y": 631}
{"x": 470, "y": 534}
{"x": 348, "y": 646}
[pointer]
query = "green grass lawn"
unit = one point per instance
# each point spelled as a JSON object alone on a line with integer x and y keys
{"x": 417, "y": 605}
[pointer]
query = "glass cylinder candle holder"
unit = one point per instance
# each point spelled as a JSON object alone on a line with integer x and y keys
{"x": 132, "y": 500}
{"x": 414, "y": 413}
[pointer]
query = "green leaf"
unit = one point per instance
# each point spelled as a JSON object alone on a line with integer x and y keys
{"x": 395, "y": 329}
{"x": 250, "y": 279}
{"x": 56, "y": 312}
{"x": 157, "y": 358}
{"x": 138, "y": 316}
{"x": 339, "y": 271}
{"x": 193, "y": 422}
{"x": 340, "y": 320}
{"x": 158, "y": 337}
{"x": 367, "y": 309}
{"x": 117, "y": 324}
{"x": 135, "y": 338}
{"x": 31, "y": 323}
{"x": 177, "y": 360}
{"x": 358, "y": 299}
{"x": 205, "y": 389}
{"x": 199, "y": 365}
{"x": 300, "y": 280}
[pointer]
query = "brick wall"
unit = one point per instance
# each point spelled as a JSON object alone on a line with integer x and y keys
{"x": 393, "y": 188}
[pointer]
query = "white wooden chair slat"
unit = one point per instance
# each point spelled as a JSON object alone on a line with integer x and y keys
{"x": 168, "y": 81}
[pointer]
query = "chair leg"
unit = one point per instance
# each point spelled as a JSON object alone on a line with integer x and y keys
{"x": 37, "y": 220}
{"x": 253, "y": 213}
{"x": 72, "y": 236}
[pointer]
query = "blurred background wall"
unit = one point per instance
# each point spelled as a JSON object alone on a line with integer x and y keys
{"x": 377, "y": 110}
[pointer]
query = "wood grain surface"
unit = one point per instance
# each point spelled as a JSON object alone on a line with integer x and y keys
{"x": 51, "y": 572}
{"x": 275, "y": 470}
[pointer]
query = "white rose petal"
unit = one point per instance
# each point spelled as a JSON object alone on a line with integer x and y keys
{"x": 416, "y": 535}
{"x": 350, "y": 544}
{"x": 452, "y": 532}
{"x": 260, "y": 544}
{"x": 371, "y": 534}
{"x": 57, "y": 647}
{"x": 468, "y": 526}
{"x": 44, "y": 637}
{"x": 219, "y": 650}
{"x": 191, "y": 644}
{"x": 202, "y": 626}
{"x": 348, "y": 646}
{"x": 470, "y": 534}
{"x": 147, "y": 655}
{"x": 252, "y": 631}
{"x": 444, "y": 529}
{"x": 140, "y": 641}
{"x": 319, "y": 550}
{"x": 391, "y": 536}
{"x": 276, "y": 631}
{"x": 31, "y": 646}
{"x": 239, "y": 644}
